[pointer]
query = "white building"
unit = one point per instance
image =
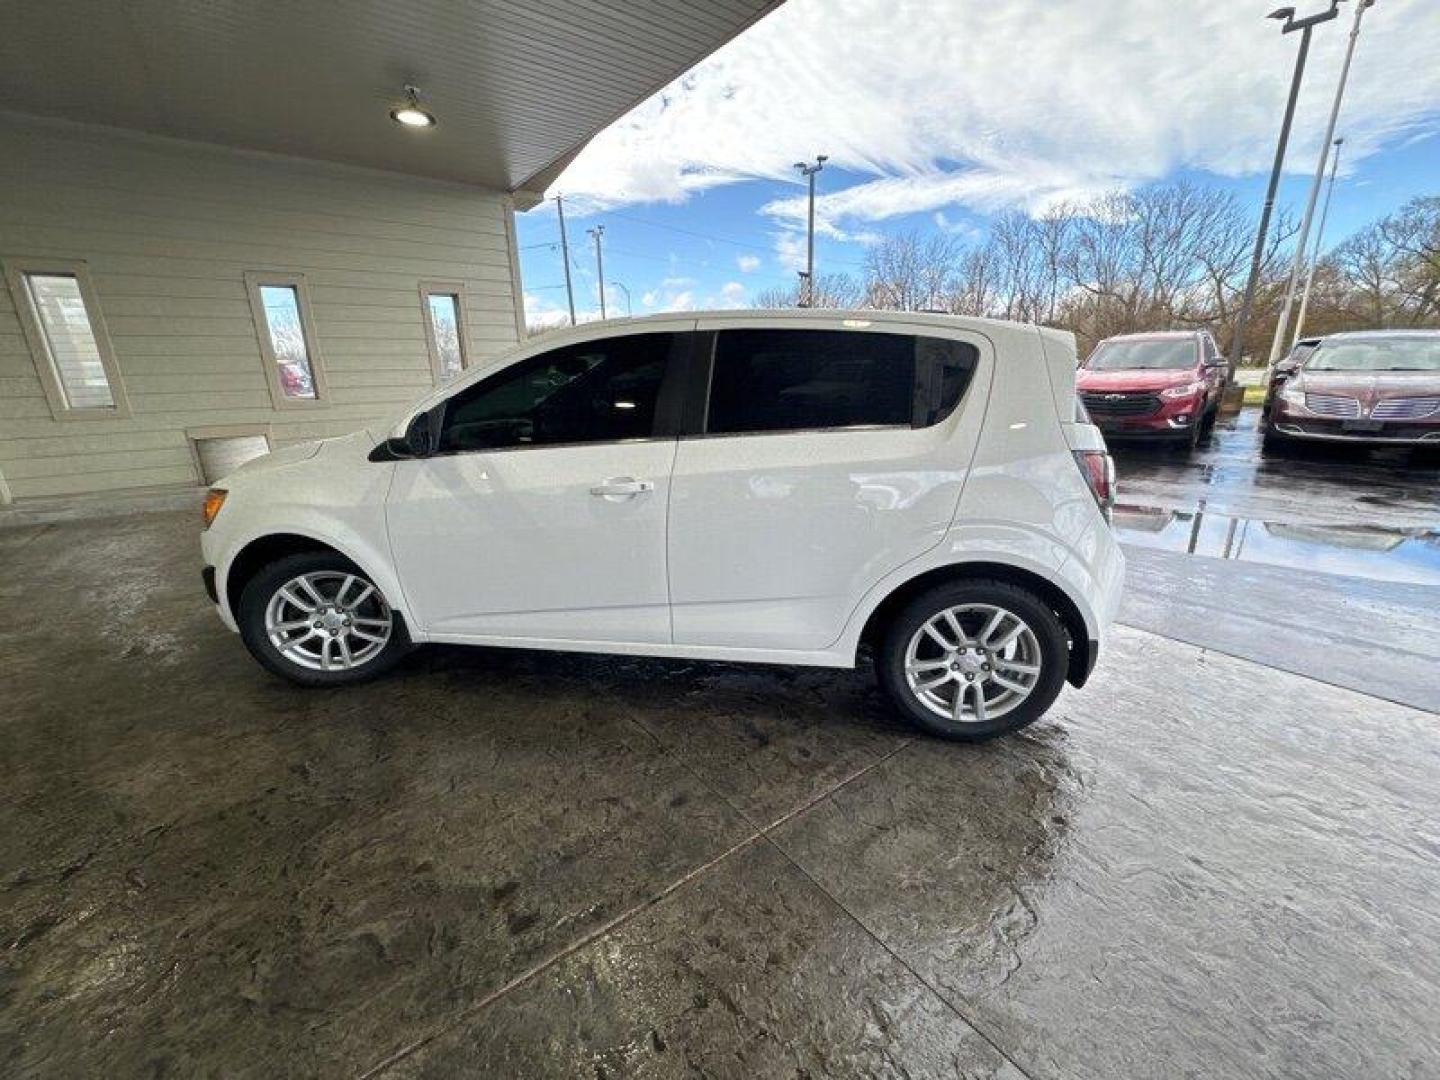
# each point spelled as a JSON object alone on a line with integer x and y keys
{"x": 213, "y": 233}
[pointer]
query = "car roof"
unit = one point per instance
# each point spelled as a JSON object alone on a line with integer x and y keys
{"x": 1381, "y": 335}
{"x": 1156, "y": 335}
{"x": 842, "y": 318}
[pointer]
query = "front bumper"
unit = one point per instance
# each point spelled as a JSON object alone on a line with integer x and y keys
{"x": 1370, "y": 433}
{"x": 1177, "y": 432}
{"x": 1143, "y": 415}
{"x": 207, "y": 576}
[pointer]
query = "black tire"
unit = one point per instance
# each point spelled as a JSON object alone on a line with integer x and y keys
{"x": 1049, "y": 634}
{"x": 255, "y": 599}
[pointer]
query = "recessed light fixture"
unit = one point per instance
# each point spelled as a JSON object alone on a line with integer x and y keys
{"x": 410, "y": 113}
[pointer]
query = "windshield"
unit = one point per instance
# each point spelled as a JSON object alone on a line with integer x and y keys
{"x": 1154, "y": 354}
{"x": 1376, "y": 354}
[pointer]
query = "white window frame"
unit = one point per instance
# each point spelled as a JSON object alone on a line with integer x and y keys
{"x": 254, "y": 279}
{"x": 16, "y": 270}
{"x": 462, "y": 313}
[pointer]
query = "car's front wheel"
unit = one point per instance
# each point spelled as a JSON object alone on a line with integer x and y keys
{"x": 974, "y": 659}
{"x": 316, "y": 619}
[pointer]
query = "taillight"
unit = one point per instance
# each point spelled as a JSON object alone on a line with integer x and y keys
{"x": 1098, "y": 469}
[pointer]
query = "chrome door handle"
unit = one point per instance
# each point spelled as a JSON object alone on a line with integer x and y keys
{"x": 622, "y": 487}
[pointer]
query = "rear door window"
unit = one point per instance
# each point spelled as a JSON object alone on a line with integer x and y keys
{"x": 766, "y": 380}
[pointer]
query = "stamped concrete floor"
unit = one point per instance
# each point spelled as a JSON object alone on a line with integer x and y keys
{"x": 518, "y": 864}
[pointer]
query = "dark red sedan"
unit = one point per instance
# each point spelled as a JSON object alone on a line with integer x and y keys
{"x": 1377, "y": 387}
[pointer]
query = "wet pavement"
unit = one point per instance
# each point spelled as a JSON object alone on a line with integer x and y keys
{"x": 519, "y": 864}
{"x": 1324, "y": 561}
{"x": 1229, "y": 474}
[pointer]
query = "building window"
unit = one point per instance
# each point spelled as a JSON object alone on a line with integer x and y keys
{"x": 445, "y": 328}
{"x": 281, "y": 306}
{"x": 73, "y": 357}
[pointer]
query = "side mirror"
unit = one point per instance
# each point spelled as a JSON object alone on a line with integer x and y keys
{"x": 420, "y": 440}
{"x": 422, "y": 435}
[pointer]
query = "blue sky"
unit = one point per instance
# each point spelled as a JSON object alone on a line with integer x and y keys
{"x": 938, "y": 123}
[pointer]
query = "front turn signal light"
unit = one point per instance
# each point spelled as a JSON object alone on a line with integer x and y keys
{"x": 214, "y": 500}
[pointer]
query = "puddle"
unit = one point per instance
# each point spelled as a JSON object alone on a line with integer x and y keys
{"x": 1366, "y": 551}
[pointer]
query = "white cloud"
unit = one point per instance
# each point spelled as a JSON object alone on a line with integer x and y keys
{"x": 1022, "y": 103}
{"x": 790, "y": 250}
{"x": 732, "y": 294}
{"x": 541, "y": 311}
{"x": 748, "y": 264}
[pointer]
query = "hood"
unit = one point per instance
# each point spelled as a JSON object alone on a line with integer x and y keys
{"x": 1371, "y": 385}
{"x": 360, "y": 442}
{"x": 1133, "y": 379}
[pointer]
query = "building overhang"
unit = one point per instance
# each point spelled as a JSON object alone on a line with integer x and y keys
{"x": 518, "y": 89}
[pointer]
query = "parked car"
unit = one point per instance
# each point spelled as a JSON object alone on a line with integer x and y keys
{"x": 780, "y": 487}
{"x": 1376, "y": 387}
{"x": 1285, "y": 367}
{"x": 1164, "y": 386}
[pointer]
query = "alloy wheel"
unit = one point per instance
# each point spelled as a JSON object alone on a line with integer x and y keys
{"x": 973, "y": 663}
{"x": 328, "y": 620}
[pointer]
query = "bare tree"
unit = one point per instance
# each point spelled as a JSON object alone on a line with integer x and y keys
{"x": 911, "y": 272}
{"x": 831, "y": 291}
{"x": 1390, "y": 270}
{"x": 1166, "y": 257}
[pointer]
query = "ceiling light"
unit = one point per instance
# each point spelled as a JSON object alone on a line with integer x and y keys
{"x": 410, "y": 113}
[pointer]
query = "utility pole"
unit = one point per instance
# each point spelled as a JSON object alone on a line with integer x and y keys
{"x": 597, "y": 232}
{"x": 565, "y": 255}
{"x": 1319, "y": 240}
{"x": 1302, "y": 242}
{"x": 1237, "y": 344}
{"x": 807, "y": 296}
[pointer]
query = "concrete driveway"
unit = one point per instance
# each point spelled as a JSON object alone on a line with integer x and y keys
{"x": 518, "y": 864}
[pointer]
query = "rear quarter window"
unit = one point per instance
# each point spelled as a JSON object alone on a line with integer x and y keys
{"x": 803, "y": 380}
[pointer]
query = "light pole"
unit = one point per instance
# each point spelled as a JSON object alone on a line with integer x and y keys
{"x": 565, "y": 256}
{"x": 1237, "y": 344}
{"x": 809, "y": 171}
{"x": 1319, "y": 239}
{"x": 623, "y": 288}
{"x": 1302, "y": 242}
{"x": 803, "y": 294}
{"x": 596, "y": 233}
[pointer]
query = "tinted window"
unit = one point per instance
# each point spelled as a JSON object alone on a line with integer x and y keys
{"x": 797, "y": 380}
{"x": 943, "y": 369}
{"x": 598, "y": 391}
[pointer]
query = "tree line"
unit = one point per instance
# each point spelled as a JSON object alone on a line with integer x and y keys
{"x": 1167, "y": 257}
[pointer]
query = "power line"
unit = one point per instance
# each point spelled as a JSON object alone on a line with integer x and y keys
{"x": 688, "y": 232}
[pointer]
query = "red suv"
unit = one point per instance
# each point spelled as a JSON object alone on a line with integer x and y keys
{"x": 1154, "y": 386}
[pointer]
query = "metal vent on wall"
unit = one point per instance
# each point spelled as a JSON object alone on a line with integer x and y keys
{"x": 221, "y": 456}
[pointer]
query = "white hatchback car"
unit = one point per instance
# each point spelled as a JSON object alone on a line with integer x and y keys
{"x": 782, "y": 487}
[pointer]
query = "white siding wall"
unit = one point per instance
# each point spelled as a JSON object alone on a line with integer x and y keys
{"x": 169, "y": 230}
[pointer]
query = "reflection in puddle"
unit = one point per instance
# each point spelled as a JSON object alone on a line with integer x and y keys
{"x": 1368, "y": 551}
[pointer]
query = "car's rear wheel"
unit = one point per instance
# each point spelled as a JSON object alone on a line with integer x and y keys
{"x": 974, "y": 659}
{"x": 316, "y": 619}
